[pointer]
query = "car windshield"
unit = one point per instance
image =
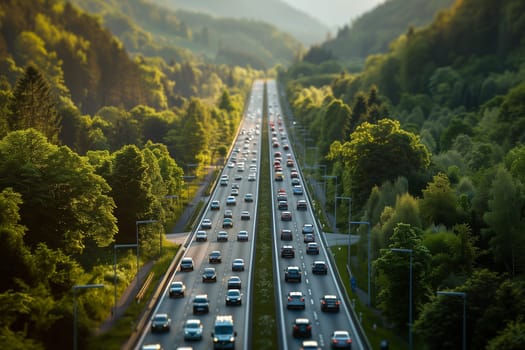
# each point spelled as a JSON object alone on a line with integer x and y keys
{"x": 223, "y": 329}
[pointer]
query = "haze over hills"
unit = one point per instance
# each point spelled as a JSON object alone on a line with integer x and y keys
{"x": 334, "y": 13}
{"x": 304, "y": 27}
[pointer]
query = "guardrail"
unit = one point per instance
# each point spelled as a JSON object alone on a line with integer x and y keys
{"x": 144, "y": 287}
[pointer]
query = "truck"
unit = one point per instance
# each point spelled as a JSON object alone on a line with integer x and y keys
{"x": 224, "y": 333}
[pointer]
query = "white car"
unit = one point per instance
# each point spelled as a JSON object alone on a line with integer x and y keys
{"x": 231, "y": 201}
{"x": 206, "y": 224}
{"x": 201, "y": 236}
{"x": 238, "y": 264}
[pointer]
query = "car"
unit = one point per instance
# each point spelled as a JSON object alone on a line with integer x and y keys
{"x": 286, "y": 235}
{"x": 227, "y": 223}
{"x": 201, "y": 236}
{"x": 319, "y": 267}
{"x": 312, "y": 248}
{"x": 330, "y": 302}
{"x": 302, "y": 328}
{"x": 302, "y": 204}
{"x": 286, "y": 216}
{"x": 245, "y": 215}
{"x": 215, "y": 205}
{"x": 186, "y": 264}
{"x": 230, "y": 201}
{"x": 279, "y": 176}
{"x": 242, "y": 236}
{"x": 340, "y": 339}
{"x": 231, "y": 165}
{"x": 310, "y": 345}
{"x": 235, "y": 186}
{"x": 295, "y": 300}
{"x": 233, "y": 297}
{"x": 294, "y": 174}
{"x": 309, "y": 237}
{"x": 283, "y": 205}
{"x": 296, "y": 182}
{"x": 215, "y": 257}
{"x": 248, "y": 197}
{"x": 152, "y": 347}
{"x": 209, "y": 275}
{"x": 222, "y": 236}
{"x": 234, "y": 282}
{"x": 206, "y": 224}
{"x": 234, "y": 193}
{"x": 160, "y": 323}
{"x": 193, "y": 329}
{"x": 228, "y": 213}
{"x": 201, "y": 304}
{"x": 252, "y": 177}
{"x": 292, "y": 274}
{"x": 238, "y": 264}
{"x": 287, "y": 251}
{"x": 297, "y": 190}
{"x": 308, "y": 228}
{"x": 237, "y": 177}
{"x": 177, "y": 289}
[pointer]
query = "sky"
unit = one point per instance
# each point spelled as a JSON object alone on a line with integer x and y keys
{"x": 334, "y": 13}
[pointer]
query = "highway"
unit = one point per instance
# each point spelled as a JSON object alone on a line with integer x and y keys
{"x": 247, "y": 146}
{"x": 313, "y": 286}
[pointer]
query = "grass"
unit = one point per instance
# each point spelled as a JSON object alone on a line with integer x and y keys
{"x": 124, "y": 327}
{"x": 264, "y": 317}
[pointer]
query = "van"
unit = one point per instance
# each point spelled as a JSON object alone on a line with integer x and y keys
{"x": 223, "y": 334}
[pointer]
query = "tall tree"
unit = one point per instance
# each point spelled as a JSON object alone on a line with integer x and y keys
{"x": 506, "y": 223}
{"x": 34, "y": 106}
{"x": 439, "y": 202}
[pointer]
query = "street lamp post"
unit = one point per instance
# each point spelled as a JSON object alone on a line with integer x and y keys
{"x": 117, "y": 246}
{"x": 409, "y": 251}
{"x": 369, "y": 255}
{"x": 335, "y": 197}
{"x": 75, "y": 288}
{"x": 464, "y": 331}
{"x": 137, "y": 223}
{"x": 349, "y": 220}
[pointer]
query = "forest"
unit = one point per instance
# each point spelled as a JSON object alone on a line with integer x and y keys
{"x": 428, "y": 141}
{"x": 92, "y": 139}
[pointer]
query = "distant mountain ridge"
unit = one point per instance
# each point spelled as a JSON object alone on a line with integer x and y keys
{"x": 302, "y": 26}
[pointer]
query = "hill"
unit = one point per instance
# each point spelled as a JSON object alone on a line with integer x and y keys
{"x": 285, "y": 17}
{"x": 372, "y": 32}
{"x": 151, "y": 30}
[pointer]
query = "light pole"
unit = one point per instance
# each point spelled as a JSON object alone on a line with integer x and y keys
{"x": 369, "y": 255}
{"x": 117, "y": 246}
{"x": 312, "y": 147}
{"x": 171, "y": 196}
{"x": 137, "y": 223}
{"x": 464, "y": 296}
{"x": 75, "y": 288}
{"x": 349, "y": 220}
{"x": 335, "y": 197}
{"x": 409, "y": 251}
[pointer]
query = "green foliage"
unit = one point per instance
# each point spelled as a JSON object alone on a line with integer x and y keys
{"x": 439, "y": 202}
{"x": 379, "y": 152}
{"x": 510, "y": 338}
{"x": 392, "y": 270}
{"x": 406, "y": 211}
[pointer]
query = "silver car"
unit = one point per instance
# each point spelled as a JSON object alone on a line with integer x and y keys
{"x": 193, "y": 329}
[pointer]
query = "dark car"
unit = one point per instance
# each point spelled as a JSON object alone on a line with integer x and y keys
{"x": 292, "y": 274}
{"x": 245, "y": 215}
{"x": 234, "y": 282}
{"x": 330, "y": 303}
{"x": 286, "y": 235}
{"x": 215, "y": 257}
{"x": 302, "y": 328}
{"x": 248, "y": 197}
{"x": 319, "y": 268}
{"x": 233, "y": 297}
{"x": 287, "y": 251}
{"x": 302, "y": 204}
{"x": 209, "y": 275}
{"x": 295, "y": 300}
{"x": 308, "y": 238}
{"x": 286, "y": 216}
{"x": 283, "y": 205}
{"x": 177, "y": 289}
{"x": 215, "y": 205}
{"x": 160, "y": 323}
{"x": 227, "y": 223}
{"x": 201, "y": 304}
